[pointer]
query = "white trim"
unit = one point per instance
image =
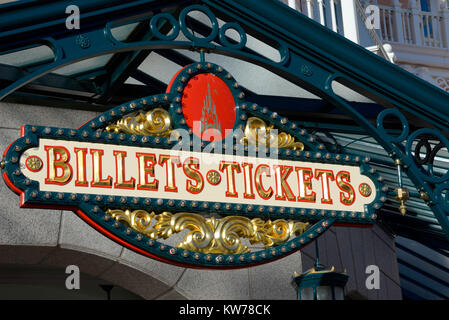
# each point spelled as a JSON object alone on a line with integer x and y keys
{"x": 350, "y": 20}
{"x": 431, "y": 57}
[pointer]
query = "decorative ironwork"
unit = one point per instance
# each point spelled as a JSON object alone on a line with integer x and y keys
{"x": 407, "y": 149}
{"x": 258, "y": 133}
{"x": 211, "y": 235}
{"x": 156, "y": 122}
{"x": 83, "y": 44}
{"x": 83, "y": 41}
{"x": 426, "y": 165}
{"x": 430, "y": 152}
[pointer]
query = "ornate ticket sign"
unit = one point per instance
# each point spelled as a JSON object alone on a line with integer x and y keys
{"x": 242, "y": 185}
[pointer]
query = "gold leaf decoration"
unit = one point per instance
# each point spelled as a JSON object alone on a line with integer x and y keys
{"x": 138, "y": 219}
{"x": 258, "y": 133}
{"x": 211, "y": 235}
{"x": 156, "y": 122}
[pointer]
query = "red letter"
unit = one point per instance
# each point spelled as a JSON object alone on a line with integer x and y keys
{"x": 305, "y": 176}
{"x": 190, "y": 167}
{"x": 264, "y": 194}
{"x": 81, "y": 180}
{"x": 247, "y": 174}
{"x": 170, "y": 162}
{"x": 282, "y": 187}
{"x": 325, "y": 175}
{"x": 343, "y": 183}
{"x": 146, "y": 169}
{"x": 230, "y": 167}
{"x": 120, "y": 172}
{"x": 58, "y": 157}
{"x": 97, "y": 180}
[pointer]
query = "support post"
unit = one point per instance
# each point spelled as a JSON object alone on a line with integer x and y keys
{"x": 350, "y": 20}
{"x": 445, "y": 26}
{"x": 309, "y": 9}
{"x": 416, "y": 23}
{"x": 398, "y": 23}
{"x": 334, "y": 15}
{"x": 321, "y": 10}
{"x": 292, "y": 4}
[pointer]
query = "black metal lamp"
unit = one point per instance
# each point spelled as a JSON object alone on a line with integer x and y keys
{"x": 320, "y": 283}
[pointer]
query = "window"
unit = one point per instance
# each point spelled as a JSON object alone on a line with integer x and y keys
{"x": 427, "y": 20}
{"x": 425, "y": 5}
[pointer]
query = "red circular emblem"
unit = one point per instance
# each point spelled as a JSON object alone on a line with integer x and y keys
{"x": 208, "y": 107}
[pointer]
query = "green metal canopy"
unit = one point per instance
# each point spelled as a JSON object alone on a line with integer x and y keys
{"x": 351, "y": 100}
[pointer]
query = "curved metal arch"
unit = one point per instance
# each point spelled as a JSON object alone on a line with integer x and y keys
{"x": 303, "y": 68}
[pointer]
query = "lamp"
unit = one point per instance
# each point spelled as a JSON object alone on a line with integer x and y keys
{"x": 320, "y": 283}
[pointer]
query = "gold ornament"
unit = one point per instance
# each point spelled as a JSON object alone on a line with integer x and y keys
{"x": 156, "y": 122}
{"x": 402, "y": 195}
{"x": 211, "y": 235}
{"x": 213, "y": 177}
{"x": 365, "y": 189}
{"x": 139, "y": 220}
{"x": 259, "y": 134}
{"x": 34, "y": 163}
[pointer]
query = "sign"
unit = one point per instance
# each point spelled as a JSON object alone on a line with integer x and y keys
{"x": 200, "y": 159}
{"x": 123, "y": 171}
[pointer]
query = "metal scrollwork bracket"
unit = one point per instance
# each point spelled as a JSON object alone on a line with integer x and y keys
{"x": 416, "y": 154}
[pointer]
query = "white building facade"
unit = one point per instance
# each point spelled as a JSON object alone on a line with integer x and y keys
{"x": 413, "y": 34}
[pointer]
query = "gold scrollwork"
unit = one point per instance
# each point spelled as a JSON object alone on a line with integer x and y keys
{"x": 139, "y": 220}
{"x": 257, "y": 132}
{"x": 211, "y": 235}
{"x": 156, "y": 122}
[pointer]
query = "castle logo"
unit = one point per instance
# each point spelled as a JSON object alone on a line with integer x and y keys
{"x": 209, "y": 118}
{"x": 208, "y": 100}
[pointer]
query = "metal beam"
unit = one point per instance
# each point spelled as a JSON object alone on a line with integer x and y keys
{"x": 28, "y": 21}
{"x": 149, "y": 80}
{"x": 122, "y": 64}
{"x": 50, "y": 83}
